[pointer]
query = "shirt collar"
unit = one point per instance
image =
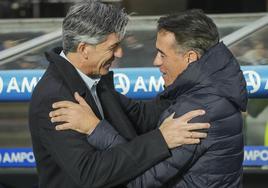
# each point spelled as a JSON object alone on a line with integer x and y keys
{"x": 89, "y": 81}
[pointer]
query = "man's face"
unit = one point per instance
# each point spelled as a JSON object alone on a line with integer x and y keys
{"x": 100, "y": 57}
{"x": 170, "y": 59}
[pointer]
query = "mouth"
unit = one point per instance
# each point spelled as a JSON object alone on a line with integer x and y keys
{"x": 163, "y": 73}
{"x": 107, "y": 65}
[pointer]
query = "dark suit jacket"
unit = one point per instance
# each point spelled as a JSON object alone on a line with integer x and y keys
{"x": 65, "y": 158}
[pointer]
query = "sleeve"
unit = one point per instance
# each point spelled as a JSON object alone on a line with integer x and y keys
{"x": 105, "y": 136}
{"x": 181, "y": 160}
{"x": 144, "y": 114}
{"x": 88, "y": 167}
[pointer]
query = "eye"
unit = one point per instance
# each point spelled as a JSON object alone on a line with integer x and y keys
{"x": 161, "y": 55}
{"x": 114, "y": 47}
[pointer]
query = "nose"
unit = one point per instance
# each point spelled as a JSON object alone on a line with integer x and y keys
{"x": 157, "y": 60}
{"x": 118, "y": 52}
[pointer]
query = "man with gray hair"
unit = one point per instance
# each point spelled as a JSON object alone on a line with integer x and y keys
{"x": 92, "y": 32}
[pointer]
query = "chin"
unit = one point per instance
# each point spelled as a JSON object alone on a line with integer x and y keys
{"x": 166, "y": 84}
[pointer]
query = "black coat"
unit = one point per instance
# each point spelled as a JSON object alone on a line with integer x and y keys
{"x": 216, "y": 84}
{"x": 65, "y": 158}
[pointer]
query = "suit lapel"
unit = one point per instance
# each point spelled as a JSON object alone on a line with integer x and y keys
{"x": 112, "y": 108}
{"x": 72, "y": 79}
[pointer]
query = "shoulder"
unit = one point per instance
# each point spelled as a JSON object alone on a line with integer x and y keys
{"x": 49, "y": 85}
{"x": 216, "y": 107}
{"x": 49, "y": 89}
{"x": 185, "y": 104}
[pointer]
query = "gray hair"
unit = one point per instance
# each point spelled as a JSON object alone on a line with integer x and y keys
{"x": 91, "y": 22}
{"x": 193, "y": 30}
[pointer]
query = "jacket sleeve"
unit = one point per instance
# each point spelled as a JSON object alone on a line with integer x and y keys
{"x": 144, "y": 114}
{"x": 88, "y": 167}
{"x": 181, "y": 160}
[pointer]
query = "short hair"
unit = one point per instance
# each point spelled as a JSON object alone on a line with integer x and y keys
{"x": 193, "y": 30}
{"x": 91, "y": 21}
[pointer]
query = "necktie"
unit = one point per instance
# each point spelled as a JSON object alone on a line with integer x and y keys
{"x": 96, "y": 98}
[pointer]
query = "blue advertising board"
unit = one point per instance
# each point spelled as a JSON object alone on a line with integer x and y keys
{"x": 255, "y": 156}
{"x": 23, "y": 157}
{"x": 17, "y": 157}
{"x": 17, "y": 85}
{"x": 138, "y": 83}
{"x": 257, "y": 80}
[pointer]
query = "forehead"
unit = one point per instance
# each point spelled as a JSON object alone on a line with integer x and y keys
{"x": 165, "y": 39}
{"x": 111, "y": 40}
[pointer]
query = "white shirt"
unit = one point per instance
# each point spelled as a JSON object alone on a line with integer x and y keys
{"x": 91, "y": 84}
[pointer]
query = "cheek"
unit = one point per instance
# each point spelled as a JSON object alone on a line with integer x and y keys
{"x": 171, "y": 66}
{"x": 106, "y": 57}
{"x": 175, "y": 68}
{"x": 101, "y": 62}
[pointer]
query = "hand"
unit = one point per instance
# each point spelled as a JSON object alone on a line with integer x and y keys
{"x": 78, "y": 117}
{"x": 178, "y": 131}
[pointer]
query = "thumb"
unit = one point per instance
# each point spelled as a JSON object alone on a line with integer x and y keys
{"x": 169, "y": 118}
{"x": 80, "y": 99}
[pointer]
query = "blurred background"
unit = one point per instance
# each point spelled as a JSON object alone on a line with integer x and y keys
{"x": 58, "y": 8}
{"x": 28, "y": 28}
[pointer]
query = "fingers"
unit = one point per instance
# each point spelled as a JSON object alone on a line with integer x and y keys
{"x": 69, "y": 104}
{"x": 80, "y": 99}
{"x": 197, "y": 126}
{"x": 169, "y": 117}
{"x": 69, "y": 126}
{"x": 62, "y": 127}
{"x": 190, "y": 115}
{"x": 58, "y": 112}
{"x": 192, "y": 141}
{"x": 194, "y": 137}
{"x": 63, "y": 104}
{"x": 197, "y": 135}
{"x": 61, "y": 118}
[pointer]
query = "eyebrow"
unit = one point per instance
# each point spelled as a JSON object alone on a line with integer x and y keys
{"x": 160, "y": 51}
{"x": 114, "y": 45}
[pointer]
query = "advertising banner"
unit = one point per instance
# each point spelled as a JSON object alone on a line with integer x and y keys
{"x": 137, "y": 83}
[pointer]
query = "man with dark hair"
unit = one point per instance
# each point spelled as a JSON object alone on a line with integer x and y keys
{"x": 199, "y": 72}
{"x": 92, "y": 32}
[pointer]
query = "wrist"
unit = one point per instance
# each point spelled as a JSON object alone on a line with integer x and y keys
{"x": 93, "y": 126}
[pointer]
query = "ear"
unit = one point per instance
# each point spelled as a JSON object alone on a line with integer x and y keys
{"x": 82, "y": 49}
{"x": 191, "y": 56}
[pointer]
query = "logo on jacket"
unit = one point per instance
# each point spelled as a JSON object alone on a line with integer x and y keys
{"x": 122, "y": 83}
{"x": 1, "y": 85}
{"x": 253, "y": 81}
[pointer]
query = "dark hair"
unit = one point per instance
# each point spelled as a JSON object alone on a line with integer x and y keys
{"x": 193, "y": 30}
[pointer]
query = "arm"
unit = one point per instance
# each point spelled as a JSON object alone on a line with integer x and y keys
{"x": 139, "y": 112}
{"x": 182, "y": 157}
{"x": 81, "y": 118}
{"x": 104, "y": 137}
{"x": 91, "y": 168}
{"x": 174, "y": 167}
